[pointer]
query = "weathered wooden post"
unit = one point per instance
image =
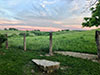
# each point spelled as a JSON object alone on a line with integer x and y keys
{"x": 7, "y": 41}
{"x": 50, "y": 45}
{"x": 97, "y": 38}
{"x": 24, "y": 43}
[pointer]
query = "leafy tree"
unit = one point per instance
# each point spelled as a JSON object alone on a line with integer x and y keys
{"x": 13, "y": 29}
{"x": 94, "y": 20}
{"x": 5, "y": 28}
{"x": 2, "y": 39}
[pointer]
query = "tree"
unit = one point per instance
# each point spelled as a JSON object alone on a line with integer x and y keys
{"x": 13, "y": 29}
{"x": 94, "y": 20}
{"x": 5, "y": 28}
{"x": 2, "y": 39}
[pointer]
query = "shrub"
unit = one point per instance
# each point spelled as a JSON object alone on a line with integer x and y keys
{"x": 39, "y": 33}
{"x": 2, "y": 39}
{"x": 13, "y": 35}
{"x": 22, "y": 34}
{"x": 13, "y": 29}
{"x": 5, "y": 29}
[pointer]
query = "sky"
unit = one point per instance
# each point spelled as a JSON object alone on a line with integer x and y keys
{"x": 46, "y": 15}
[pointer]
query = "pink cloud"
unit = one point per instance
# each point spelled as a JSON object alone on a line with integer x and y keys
{"x": 9, "y": 22}
{"x": 79, "y": 27}
{"x": 71, "y": 27}
{"x": 31, "y": 28}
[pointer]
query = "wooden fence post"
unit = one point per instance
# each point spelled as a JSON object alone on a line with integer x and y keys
{"x": 97, "y": 38}
{"x": 50, "y": 45}
{"x": 7, "y": 41}
{"x": 24, "y": 43}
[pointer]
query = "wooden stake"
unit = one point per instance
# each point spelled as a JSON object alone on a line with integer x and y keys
{"x": 7, "y": 41}
{"x": 24, "y": 42}
{"x": 97, "y": 38}
{"x": 50, "y": 47}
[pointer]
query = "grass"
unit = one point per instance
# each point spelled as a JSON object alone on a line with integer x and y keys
{"x": 15, "y": 61}
{"x": 77, "y": 41}
{"x": 18, "y": 62}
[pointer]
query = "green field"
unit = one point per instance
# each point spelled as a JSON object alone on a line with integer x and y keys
{"x": 15, "y": 61}
{"x": 81, "y": 41}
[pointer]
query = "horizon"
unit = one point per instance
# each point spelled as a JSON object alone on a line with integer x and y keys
{"x": 30, "y": 28}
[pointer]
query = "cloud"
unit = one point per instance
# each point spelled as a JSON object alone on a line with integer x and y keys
{"x": 71, "y": 27}
{"x": 46, "y": 9}
{"x": 6, "y": 14}
{"x": 44, "y": 3}
{"x": 31, "y": 28}
{"x": 78, "y": 27}
{"x": 49, "y": 2}
{"x": 57, "y": 22}
{"x": 9, "y": 22}
{"x": 76, "y": 7}
{"x": 43, "y": 13}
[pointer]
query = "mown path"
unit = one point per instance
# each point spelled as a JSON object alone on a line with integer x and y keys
{"x": 79, "y": 55}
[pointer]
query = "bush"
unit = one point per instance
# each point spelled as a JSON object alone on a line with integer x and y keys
{"x": 13, "y": 29}
{"x": 39, "y": 33}
{"x": 2, "y": 39}
{"x": 13, "y": 35}
{"x": 5, "y": 29}
{"x": 22, "y": 34}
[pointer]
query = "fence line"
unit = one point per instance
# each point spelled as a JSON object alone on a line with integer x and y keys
{"x": 24, "y": 42}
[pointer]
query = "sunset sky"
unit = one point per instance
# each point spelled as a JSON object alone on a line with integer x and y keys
{"x": 43, "y": 14}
